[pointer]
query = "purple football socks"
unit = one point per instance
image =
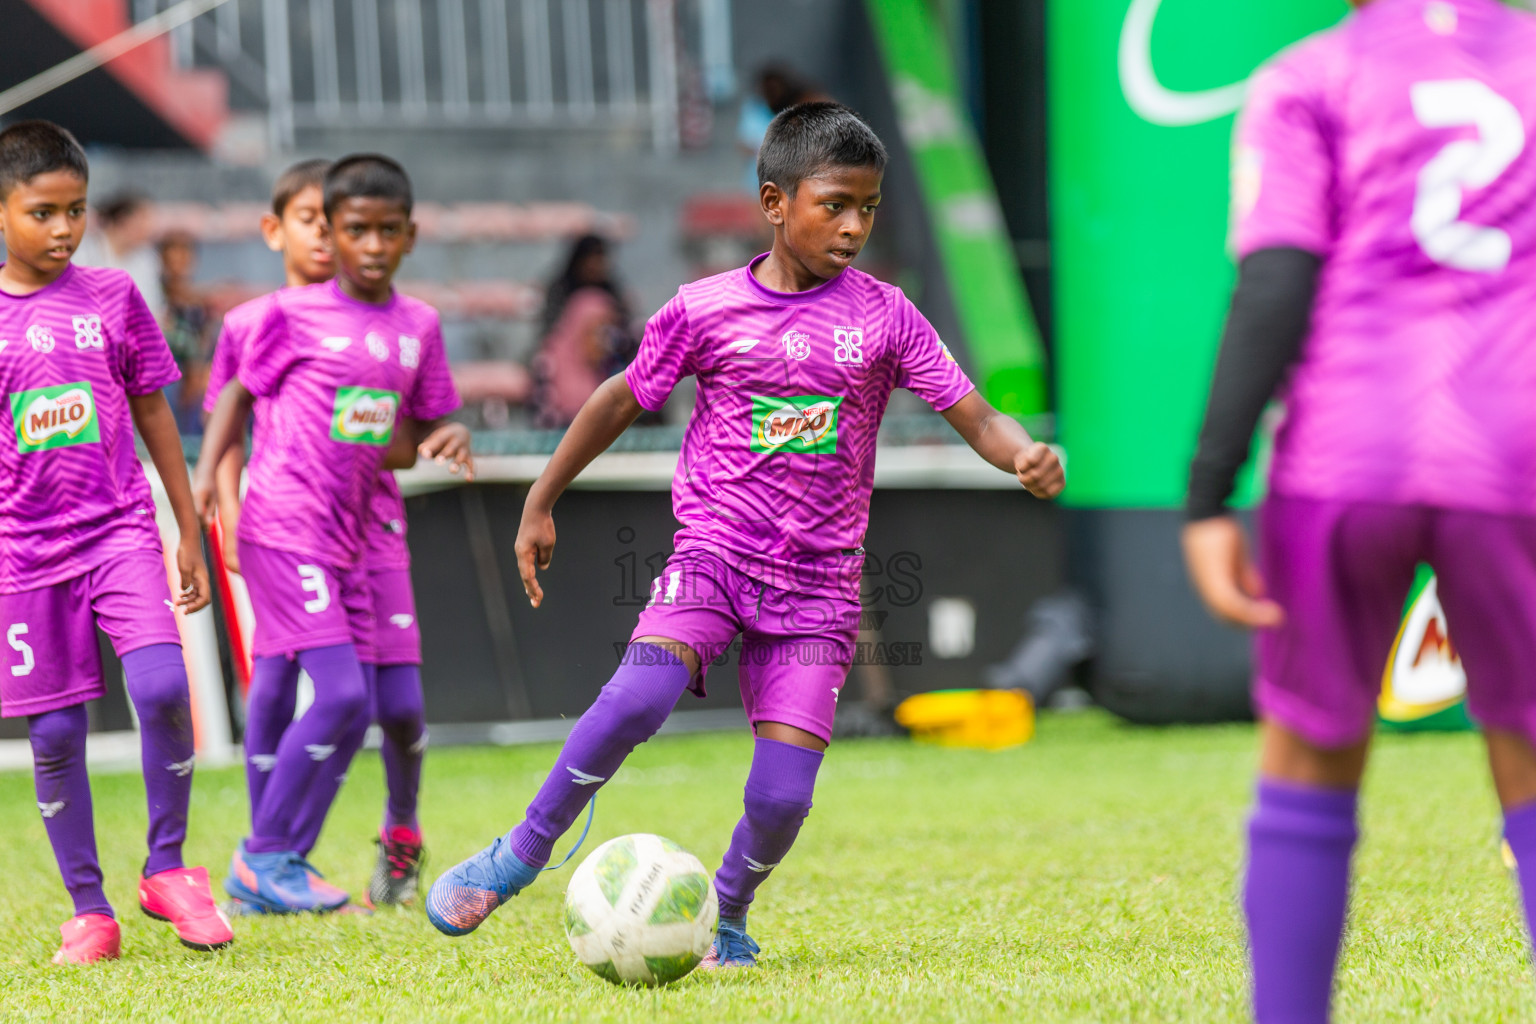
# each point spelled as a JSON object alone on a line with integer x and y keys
{"x": 1520, "y": 833}
{"x": 64, "y": 798}
{"x": 317, "y": 800}
{"x": 1299, "y": 843}
{"x": 312, "y": 746}
{"x": 401, "y": 712}
{"x": 628, "y": 711}
{"x": 778, "y": 797}
{"x": 269, "y": 708}
{"x": 157, "y": 685}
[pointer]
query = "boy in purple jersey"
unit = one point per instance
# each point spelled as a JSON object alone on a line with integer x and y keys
{"x": 1385, "y": 217}
{"x": 82, "y": 363}
{"x": 796, "y": 356}
{"x": 296, "y": 228}
{"x": 334, "y": 365}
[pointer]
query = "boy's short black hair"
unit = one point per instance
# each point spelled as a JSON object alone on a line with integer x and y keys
{"x": 366, "y": 176}
{"x": 296, "y": 179}
{"x": 810, "y": 137}
{"x": 30, "y": 148}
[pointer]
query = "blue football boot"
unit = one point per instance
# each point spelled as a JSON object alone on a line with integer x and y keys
{"x": 464, "y": 895}
{"x": 733, "y": 946}
{"x": 279, "y": 883}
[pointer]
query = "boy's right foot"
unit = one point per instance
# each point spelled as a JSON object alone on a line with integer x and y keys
{"x": 88, "y": 938}
{"x": 733, "y": 947}
{"x": 182, "y": 896}
{"x": 465, "y": 894}
{"x": 397, "y": 875}
{"x": 280, "y": 883}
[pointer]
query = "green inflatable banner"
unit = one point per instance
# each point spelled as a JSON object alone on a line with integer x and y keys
{"x": 1000, "y": 332}
{"x": 1142, "y": 97}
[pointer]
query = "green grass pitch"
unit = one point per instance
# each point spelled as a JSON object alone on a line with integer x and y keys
{"x": 1088, "y": 876}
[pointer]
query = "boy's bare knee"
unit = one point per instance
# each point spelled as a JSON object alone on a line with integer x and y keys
{"x": 1289, "y": 757}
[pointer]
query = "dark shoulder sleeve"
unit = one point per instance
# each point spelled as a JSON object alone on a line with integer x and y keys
{"x": 1266, "y": 326}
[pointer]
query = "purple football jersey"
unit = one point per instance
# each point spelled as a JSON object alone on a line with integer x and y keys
{"x": 384, "y": 528}
{"x": 384, "y": 534}
{"x": 234, "y": 335}
{"x": 779, "y": 456}
{"x": 336, "y": 374}
{"x": 72, "y": 493}
{"x": 1401, "y": 148}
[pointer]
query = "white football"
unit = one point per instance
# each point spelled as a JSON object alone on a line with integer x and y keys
{"x": 641, "y": 910}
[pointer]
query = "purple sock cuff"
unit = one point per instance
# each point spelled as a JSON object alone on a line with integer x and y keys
{"x": 783, "y": 771}
{"x": 1286, "y": 808}
{"x": 651, "y": 675}
{"x": 1520, "y": 825}
{"x": 165, "y": 657}
{"x": 1292, "y": 796}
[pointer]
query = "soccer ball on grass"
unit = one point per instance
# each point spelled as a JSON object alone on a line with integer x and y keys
{"x": 641, "y": 910}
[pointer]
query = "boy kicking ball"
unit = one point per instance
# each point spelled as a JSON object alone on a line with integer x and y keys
{"x": 296, "y": 228}
{"x": 796, "y": 356}
{"x": 82, "y": 364}
{"x": 346, "y": 371}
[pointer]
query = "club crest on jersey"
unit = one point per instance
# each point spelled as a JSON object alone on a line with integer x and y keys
{"x": 41, "y": 339}
{"x": 364, "y": 416}
{"x": 377, "y": 347}
{"x": 800, "y": 424}
{"x": 848, "y": 344}
{"x": 797, "y": 344}
{"x": 55, "y": 417}
{"x": 410, "y": 352}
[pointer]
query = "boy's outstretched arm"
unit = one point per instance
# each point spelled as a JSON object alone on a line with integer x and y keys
{"x": 1002, "y": 441}
{"x": 222, "y": 431}
{"x": 606, "y": 415}
{"x": 157, "y": 426}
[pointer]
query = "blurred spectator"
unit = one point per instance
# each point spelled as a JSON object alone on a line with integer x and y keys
{"x": 776, "y": 87}
{"x": 124, "y": 229}
{"x": 585, "y": 334}
{"x": 187, "y": 321}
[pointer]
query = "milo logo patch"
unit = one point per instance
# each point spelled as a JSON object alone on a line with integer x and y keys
{"x": 55, "y": 417}
{"x": 364, "y": 416}
{"x": 801, "y": 424}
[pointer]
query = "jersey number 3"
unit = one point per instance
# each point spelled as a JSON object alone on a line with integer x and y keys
{"x": 1461, "y": 166}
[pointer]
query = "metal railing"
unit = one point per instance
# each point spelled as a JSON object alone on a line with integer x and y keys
{"x": 467, "y": 64}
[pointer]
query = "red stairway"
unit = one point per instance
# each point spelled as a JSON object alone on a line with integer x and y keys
{"x": 139, "y": 99}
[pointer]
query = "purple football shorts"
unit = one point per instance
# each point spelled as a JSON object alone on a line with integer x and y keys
{"x": 396, "y": 635}
{"x": 795, "y": 649}
{"x": 50, "y": 658}
{"x": 1342, "y": 570}
{"x": 301, "y": 604}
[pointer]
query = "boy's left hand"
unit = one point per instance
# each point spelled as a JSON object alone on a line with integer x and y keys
{"x": 195, "y": 589}
{"x": 449, "y": 444}
{"x": 1040, "y": 471}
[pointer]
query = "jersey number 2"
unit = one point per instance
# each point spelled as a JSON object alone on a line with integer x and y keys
{"x": 1461, "y": 166}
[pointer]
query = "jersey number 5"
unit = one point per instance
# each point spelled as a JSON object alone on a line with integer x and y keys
{"x": 13, "y": 636}
{"x": 1461, "y": 166}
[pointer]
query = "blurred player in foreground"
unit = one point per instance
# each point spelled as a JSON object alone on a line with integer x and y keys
{"x": 796, "y": 356}
{"x": 1385, "y": 217}
{"x": 296, "y": 228}
{"x": 350, "y": 374}
{"x": 82, "y": 362}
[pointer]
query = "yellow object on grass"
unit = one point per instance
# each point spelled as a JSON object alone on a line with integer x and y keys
{"x": 988, "y": 719}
